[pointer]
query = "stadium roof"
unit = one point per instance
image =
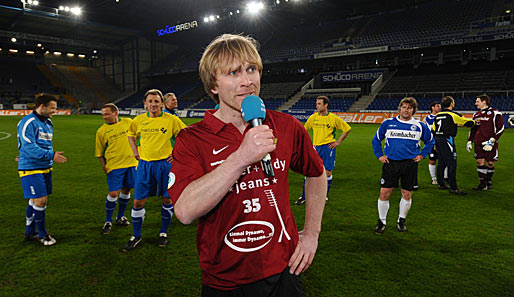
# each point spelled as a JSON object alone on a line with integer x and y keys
{"x": 108, "y": 23}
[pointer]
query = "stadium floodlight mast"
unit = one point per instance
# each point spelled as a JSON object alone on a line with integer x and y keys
{"x": 254, "y": 7}
{"x": 13, "y": 39}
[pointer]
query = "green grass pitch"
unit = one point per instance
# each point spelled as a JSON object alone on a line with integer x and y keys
{"x": 456, "y": 245}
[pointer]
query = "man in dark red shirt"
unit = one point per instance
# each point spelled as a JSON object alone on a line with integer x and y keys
{"x": 247, "y": 238}
{"x": 485, "y": 134}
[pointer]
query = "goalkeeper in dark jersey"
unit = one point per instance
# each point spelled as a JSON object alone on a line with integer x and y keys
{"x": 485, "y": 134}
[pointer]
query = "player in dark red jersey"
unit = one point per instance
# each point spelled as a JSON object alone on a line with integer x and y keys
{"x": 247, "y": 238}
{"x": 485, "y": 134}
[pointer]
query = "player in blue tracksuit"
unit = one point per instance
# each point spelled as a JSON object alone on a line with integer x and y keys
{"x": 35, "y": 133}
{"x": 402, "y": 152}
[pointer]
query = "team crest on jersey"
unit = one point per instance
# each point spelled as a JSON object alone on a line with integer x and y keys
{"x": 163, "y": 130}
{"x": 413, "y": 127}
{"x": 382, "y": 181}
{"x": 489, "y": 113}
{"x": 328, "y": 126}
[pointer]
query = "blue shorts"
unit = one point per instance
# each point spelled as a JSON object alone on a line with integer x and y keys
{"x": 37, "y": 185}
{"x": 150, "y": 177}
{"x": 121, "y": 178}
{"x": 328, "y": 156}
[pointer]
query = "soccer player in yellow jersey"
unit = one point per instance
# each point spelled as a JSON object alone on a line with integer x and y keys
{"x": 153, "y": 132}
{"x": 115, "y": 155}
{"x": 324, "y": 125}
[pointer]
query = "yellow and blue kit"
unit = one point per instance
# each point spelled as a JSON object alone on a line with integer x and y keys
{"x": 324, "y": 127}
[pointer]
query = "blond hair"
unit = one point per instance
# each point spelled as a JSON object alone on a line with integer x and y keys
{"x": 154, "y": 92}
{"x": 220, "y": 52}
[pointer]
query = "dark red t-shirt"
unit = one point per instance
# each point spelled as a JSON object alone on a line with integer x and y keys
{"x": 488, "y": 123}
{"x": 251, "y": 234}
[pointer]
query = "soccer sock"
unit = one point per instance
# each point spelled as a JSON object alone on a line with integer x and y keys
{"x": 483, "y": 174}
{"x": 404, "y": 208}
{"x": 30, "y": 228}
{"x": 138, "y": 216}
{"x": 303, "y": 193}
{"x": 166, "y": 215}
{"x": 110, "y": 206}
{"x": 383, "y": 208}
{"x": 39, "y": 219}
{"x": 446, "y": 172}
{"x": 329, "y": 183}
{"x": 431, "y": 169}
{"x": 490, "y": 172}
{"x": 123, "y": 201}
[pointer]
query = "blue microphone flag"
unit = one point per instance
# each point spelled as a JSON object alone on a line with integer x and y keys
{"x": 253, "y": 107}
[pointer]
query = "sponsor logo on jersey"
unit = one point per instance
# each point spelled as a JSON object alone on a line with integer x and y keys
{"x": 215, "y": 152}
{"x": 403, "y": 134}
{"x": 249, "y": 236}
{"x": 45, "y": 136}
{"x": 163, "y": 130}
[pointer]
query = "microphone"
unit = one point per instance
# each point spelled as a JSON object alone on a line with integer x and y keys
{"x": 254, "y": 112}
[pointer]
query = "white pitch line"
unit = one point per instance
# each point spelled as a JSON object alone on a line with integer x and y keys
{"x": 7, "y": 135}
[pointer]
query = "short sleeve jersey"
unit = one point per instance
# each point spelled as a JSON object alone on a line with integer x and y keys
{"x": 402, "y": 139}
{"x": 155, "y": 134}
{"x": 113, "y": 145}
{"x": 251, "y": 234}
{"x": 489, "y": 124}
{"x": 324, "y": 127}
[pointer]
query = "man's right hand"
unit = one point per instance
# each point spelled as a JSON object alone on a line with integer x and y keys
{"x": 59, "y": 158}
{"x": 257, "y": 142}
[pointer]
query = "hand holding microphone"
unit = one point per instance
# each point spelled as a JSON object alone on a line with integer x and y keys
{"x": 254, "y": 112}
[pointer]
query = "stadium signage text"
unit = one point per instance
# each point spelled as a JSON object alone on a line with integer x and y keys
{"x": 18, "y": 112}
{"x": 370, "y": 75}
{"x": 170, "y": 30}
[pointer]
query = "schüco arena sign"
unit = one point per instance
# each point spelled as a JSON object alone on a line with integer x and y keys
{"x": 180, "y": 27}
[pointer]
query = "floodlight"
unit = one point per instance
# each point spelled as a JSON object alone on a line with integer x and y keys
{"x": 81, "y": 55}
{"x": 211, "y": 18}
{"x": 278, "y": 1}
{"x": 39, "y": 45}
{"x": 66, "y": 8}
{"x": 29, "y": 52}
{"x": 35, "y": 2}
{"x": 237, "y": 11}
{"x": 231, "y": 13}
{"x": 95, "y": 51}
{"x": 70, "y": 54}
{"x": 217, "y": 16}
{"x": 61, "y": 7}
{"x": 13, "y": 50}
{"x": 507, "y": 11}
{"x": 13, "y": 39}
{"x": 76, "y": 10}
{"x": 254, "y": 7}
{"x": 206, "y": 19}
{"x": 29, "y": 1}
{"x": 57, "y": 53}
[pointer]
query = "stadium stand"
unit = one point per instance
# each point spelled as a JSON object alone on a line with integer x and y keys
{"x": 20, "y": 79}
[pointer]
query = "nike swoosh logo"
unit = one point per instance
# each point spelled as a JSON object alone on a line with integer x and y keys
{"x": 215, "y": 152}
